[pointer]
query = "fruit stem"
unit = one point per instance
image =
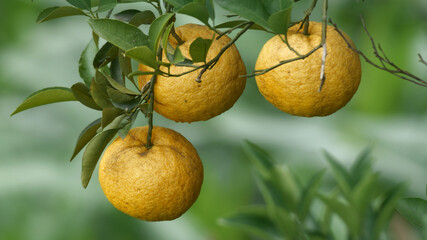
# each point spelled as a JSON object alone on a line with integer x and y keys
{"x": 150, "y": 112}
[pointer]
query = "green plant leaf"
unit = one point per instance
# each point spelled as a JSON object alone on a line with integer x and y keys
{"x": 259, "y": 157}
{"x": 414, "y": 210}
{"x": 156, "y": 30}
{"x": 105, "y": 5}
{"x": 98, "y": 90}
{"x": 82, "y": 94}
{"x": 231, "y": 24}
{"x": 279, "y": 21}
{"x": 121, "y": 34}
{"x": 386, "y": 209}
{"x": 126, "y": 128}
{"x": 364, "y": 193}
{"x": 82, "y": 4}
{"x": 58, "y": 12}
{"x": 86, "y": 70}
{"x": 125, "y": 66}
{"x": 196, "y": 10}
{"x": 285, "y": 184}
{"x": 122, "y": 100}
{"x": 46, "y": 96}
{"x": 178, "y": 3}
{"x": 211, "y": 8}
{"x": 116, "y": 72}
{"x": 344, "y": 211}
{"x": 143, "y": 55}
{"x": 105, "y": 55}
{"x": 252, "y": 10}
{"x": 308, "y": 194}
{"x": 85, "y": 136}
{"x": 93, "y": 152}
{"x": 136, "y": 17}
{"x": 118, "y": 123}
{"x": 253, "y": 220}
{"x": 109, "y": 114}
{"x": 273, "y": 6}
{"x": 199, "y": 49}
{"x": 361, "y": 165}
{"x": 341, "y": 175}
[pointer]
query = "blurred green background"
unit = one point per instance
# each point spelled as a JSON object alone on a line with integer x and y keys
{"x": 40, "y": 191}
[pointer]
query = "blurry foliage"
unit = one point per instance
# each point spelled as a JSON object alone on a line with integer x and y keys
{"x": 291, "y": 211}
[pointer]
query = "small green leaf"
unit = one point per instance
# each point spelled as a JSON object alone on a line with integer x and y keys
{"x": 211, "y": 8}
{"x": 93, "y": 152}
{"x": 231, "y": 24}
{"x": 308, "y": 194}
{"x": 260, "y": 158}
{"x": 86, "y": 69}
{"x": 344, "y": 211}
{"x": 58, "y": 12}
{"x": 361, "y": 165}
{"x": 199, "y": 49}
{"x": 126, "y": 128}
{"x": 252, "y": 10}
{"x": 156, "y": 30}
{"x": 46, "y": 96}
{"x": 82, "y": 94}
{"x": 387, "y": 208}
{"x": 414, "y": 210}
{"x": 121, "y": 34}
{"x": 98, "y": 90}
{"x": 364, "y": 192}
{"x": 108, "y": 115}
{"x": 82, "y": 4}
{"x": 340, "y": 173}
{"x": 122, "y": 100}
{"x": 105, "y": 55}
{"x": 279, "y": 21}
{"x": 196, "y": 10}
{"x": 85, "y": 136}
{"x": 105, "y": 5}
{"x": 119, "y": 87}
{"x": 116, "y": 72}
{"x": 178, "y": 3}
{"x": 136, "y": 17}
{"x": 143, "y": 55}
{"x": 253, "y": 220}
{"x": 118, "y": 123}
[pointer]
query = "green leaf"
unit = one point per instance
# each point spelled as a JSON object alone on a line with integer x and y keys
{"x": 122, "y": 100}
{"x": 125, "y": 66}
{"x": 109, "y": 114}
{"x": 105, "y": 5}
{"x": 85, "y": 136}
{"x": 82, "y": 94}
{"x": 92, "y": 153}
{"x": 199, "y": 49}
{"x": 119, "y": 87}
{"x": 341, "y": 175}
{"x": 156, "y": 30}
{"x": 253, "y": 220}
{"x": 143, "y": 55}
{"x": 279, "y": 21}
{"x": 118, "y": 123}
{"x": 273, "y": 6}
{"x": 121, "y": 34}
{"x": 178, "y": 3}
{"x": 308, "y": 194}
{"x": 252, "y": 10}
{"x": 136, "y": 17}
{"x": 344, "y": 211}
{"x": 231, "y": 24}
{"x": 414, "y": 210}
{"x": 364, "y": 193}
{"x": 58, "y": 12}
{"x": 82, "y": 4}
{"x": 196, "y": 10}
{"x": 116, "y": 72}
{"x": 98, "y": 90}
{"x": 126, "y": 128}
{"x": 211, "y": 9}
{"x": 259, "y": 157}
{"x": 86, "y": 69}
{"x": 105, "y": 55}
{"x": 361, "y": 165}
{"x": 386, "y": 209}
{"x": 46, "y": 96}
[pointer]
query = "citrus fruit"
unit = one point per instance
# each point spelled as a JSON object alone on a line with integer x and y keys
{"x": 182, "y": 99}
{"x": 156, "y": 184}
{"x": 294, "y": 86}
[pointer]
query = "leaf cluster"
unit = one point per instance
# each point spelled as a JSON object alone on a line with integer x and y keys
{"x": 304, "y": 210}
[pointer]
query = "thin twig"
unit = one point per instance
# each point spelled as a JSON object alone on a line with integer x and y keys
{"x": 386, "y": 64}
{"x": 324, "y": 26}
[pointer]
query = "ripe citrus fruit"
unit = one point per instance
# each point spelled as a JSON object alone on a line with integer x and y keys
{"x": 157, "y": 184}
{"x": 294, "y": 87}
{"x": 182, "y": 99}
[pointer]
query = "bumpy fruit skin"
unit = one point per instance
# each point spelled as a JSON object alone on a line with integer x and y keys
{"x": 156, "y": 184}
{"x": 182, "y": 99}
{"x": 294, "y": 87}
